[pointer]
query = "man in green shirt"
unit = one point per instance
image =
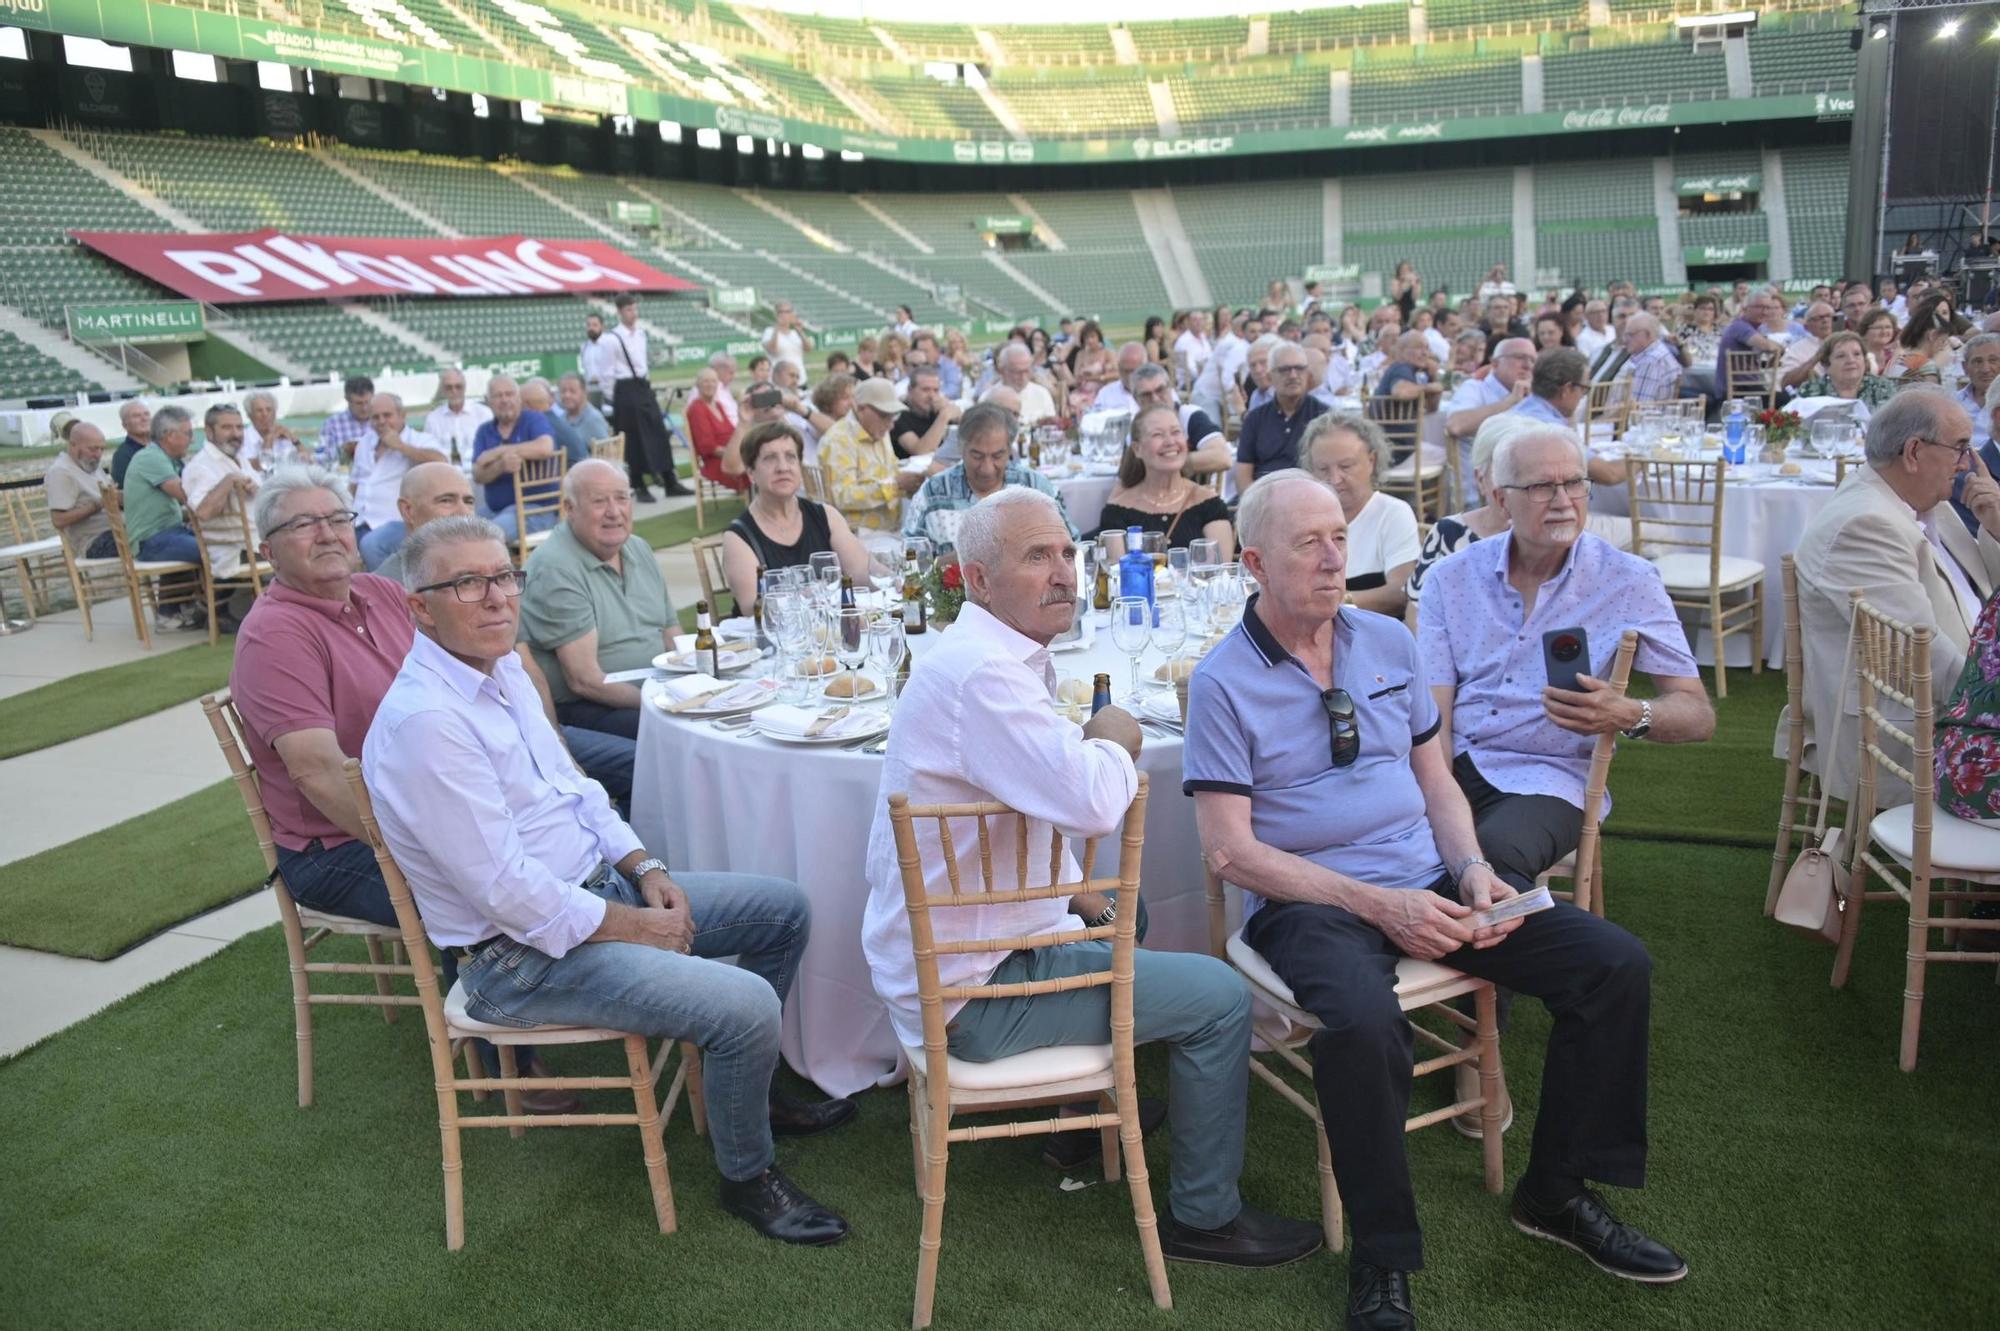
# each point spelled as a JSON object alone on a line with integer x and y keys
{"x": 595, "y": 603}
{"x": 153, "y": 499}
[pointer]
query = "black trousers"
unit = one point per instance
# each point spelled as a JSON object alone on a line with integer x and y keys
{"x": 1595, "y": 980}
{"x": 1521, "y": 834}
{"x": 587, "y": 715}
{"x": 635, "y": 413}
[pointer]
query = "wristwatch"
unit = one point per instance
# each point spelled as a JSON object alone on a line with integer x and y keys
{"x": 1105, "y": 916}
{"x": 645, "y": 867}
{"x": 1645, "y": 721}
{"x": 1468, "y": 862}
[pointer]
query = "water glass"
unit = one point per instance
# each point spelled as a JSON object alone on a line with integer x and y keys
{"x": 1131, "y": 626}
{"x": 850, "y": 638}
{"x": 825, "y": 567}
{"x": 1169, "y": 627}
{"x": 1204, "y": 553}
{"x": 1226, "y": 597}
{"x": 885, "y": 651}
{"x": 885, "y": 568}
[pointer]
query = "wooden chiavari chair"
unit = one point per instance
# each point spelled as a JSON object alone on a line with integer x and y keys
{"x": 1587, "y": 883}
{"x": 1676, "y": 508}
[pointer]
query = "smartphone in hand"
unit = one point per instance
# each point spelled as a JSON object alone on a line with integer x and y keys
{"x": 1565, "y": 655}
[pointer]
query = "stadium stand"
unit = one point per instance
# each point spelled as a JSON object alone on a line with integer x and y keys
{"x": 573, "y": 41}
{"x": 1230, "y": 100}
{"x": 1473, "y": 212}
{"x": 1084, "y": 103}
{"x": 802, "y": 94}
{"x": 840, "y": 37}
{"x": 26, "y": 372}
{"x": 1334, "y": 27}
{"x": 1816, "y": 208}
{"x": 929, "y": 106}
{"x": 1240, "y": 248}
{"x": 1055, "y": 43}
{"x": 1427, "y": 90}
{"x": 327, "y": 341}
{"x": 244, "y": 185}
{"x": 1640, "y": 72}
{"x": 1212, "y": 39}
{"x": 936, "y": 41}
{"x": 1502, "y": 15}
{"x": 1596, "y": 219}
{"x": 1798, "y": 59}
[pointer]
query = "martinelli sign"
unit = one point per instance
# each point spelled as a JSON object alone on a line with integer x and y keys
{"x": 143, "y": 321}
{"x": 271, "y": 265}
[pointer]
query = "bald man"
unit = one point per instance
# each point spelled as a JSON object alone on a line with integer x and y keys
{"x": 1652, "y": 370}
{"x": 1118, "y": 396}
{"x": 430, "y": 490}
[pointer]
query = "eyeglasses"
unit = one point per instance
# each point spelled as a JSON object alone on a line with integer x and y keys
{"x": 1342, "y": 725}
{"x": 1544, "y": 492}
{"x": 1959, "y": 452}
{"x": 340, "y": 521}
{"x": 471, "y": 589}
{"x": 1288, "y": 369}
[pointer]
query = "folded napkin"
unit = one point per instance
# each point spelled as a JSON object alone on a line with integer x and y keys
{"x": 732, "y": 653}
{"x": 797, "y": 722}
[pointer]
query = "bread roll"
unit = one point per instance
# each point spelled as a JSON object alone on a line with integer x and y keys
{"x": 818, "y": 665}
{"x": 850, "y": 686}
{"x": 1074, "y": 691}
{"x": 1175, "y": 670}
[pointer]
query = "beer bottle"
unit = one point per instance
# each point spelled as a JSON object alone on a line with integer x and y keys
{"x": 707, "y": 656}
{"x": 1101, "y": 595}
{"x": 846, "y": 592}
{"x": 1100, "y": 694}
{"x": 757, "y": 610}
{"x": 1034, "y": 450}
{"x": 915, "y": 618}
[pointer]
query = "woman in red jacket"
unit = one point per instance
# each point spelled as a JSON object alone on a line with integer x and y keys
{"x": 711, "y": 431}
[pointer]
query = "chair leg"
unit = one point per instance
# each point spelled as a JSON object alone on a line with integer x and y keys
{"x": 375, "y": 958}
{"x": 916, "y": 1134}
{"x": 1597, "y": 877}
{"x": 1757, "y": 629}
{"x": 1142, "y": 1191}
{"x": 1916, "y": 954}
{"x": 510, "y": 1095}
{"x": 1719, "y": 642}
{"x": 937, "y": 1121}
{"x": 454, "y": 1165}
{"x": 78, "y": 584}
{"x": 1486, "y": 1011}
{"x": 1329, "y": 1189}
{"x": 1781, "y": 849}
{"x": 650, "y": 1141}
{"x": 1109, "y": 1135}
{"x": 697, "y": 1102}
{"x": 139, "y": 622}
{"x": 472, "y": 1068}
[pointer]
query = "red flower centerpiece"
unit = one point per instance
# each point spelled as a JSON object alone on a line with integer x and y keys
{"x": 944, "y": 585}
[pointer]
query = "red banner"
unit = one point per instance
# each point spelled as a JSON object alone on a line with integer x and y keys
{"x": 271, "y": 265}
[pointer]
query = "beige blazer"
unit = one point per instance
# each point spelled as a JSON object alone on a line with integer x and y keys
{"x": 1867, "y": 538}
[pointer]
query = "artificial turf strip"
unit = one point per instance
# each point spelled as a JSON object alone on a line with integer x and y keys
{"x": 1807, "y": 1181}
{"x": 100, "y": 699}
{"x": 1723, "y": 791}
{"x": 101, "y": 894}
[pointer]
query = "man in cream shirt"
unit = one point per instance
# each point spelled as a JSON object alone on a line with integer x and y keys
{"x": 977, "y": 725}
{"x": 1889, "y": 533}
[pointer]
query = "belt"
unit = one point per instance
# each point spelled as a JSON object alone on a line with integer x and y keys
{"x": 597, "y": 875}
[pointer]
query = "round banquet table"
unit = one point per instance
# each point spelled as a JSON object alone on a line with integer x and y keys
{"x": 721, "y": 800}
{"x": 1763, "y": 514}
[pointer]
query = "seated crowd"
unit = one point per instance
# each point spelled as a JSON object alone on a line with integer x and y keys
{"x": 1372, "y": 753}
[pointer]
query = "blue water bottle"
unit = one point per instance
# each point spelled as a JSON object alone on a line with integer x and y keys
{"x": 1135, "y": 570}
{"x": 1732, "y": 433}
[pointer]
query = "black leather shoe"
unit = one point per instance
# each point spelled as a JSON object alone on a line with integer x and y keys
{"x": 793, "y": 1117}
{"x": 1378, "y": 1298}
{"x": 675, "y": 490}
{"x": 1586, "y": 1224}
{"x": 1253, "y": 1238}
{"x": 1072, "y": 1150}
{"x": 778, "y": 1208}
{"x": 642, "y": 496}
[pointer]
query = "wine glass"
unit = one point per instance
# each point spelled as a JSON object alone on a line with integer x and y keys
{"x": 1131, "y": 626}
{"x": 850, "y": 641}
{"x": 825, "y": 566}
{"x": 1226, "y": 597}
{"x": 1179, "y": 561}
{"x": 885, "y": 570}
{"x": 885, "y": 651}
{"x": 1169, "y": 628}
{"x": 788, "y": 617}
{"x": 1203, "y": 553}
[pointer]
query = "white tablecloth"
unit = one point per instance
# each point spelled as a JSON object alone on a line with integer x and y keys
{"x": 719, "y": 800}
{"x": 1083, "y": 499}
{"x": 1761, "y": 520}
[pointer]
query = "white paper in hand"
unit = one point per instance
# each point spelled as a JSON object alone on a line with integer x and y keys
{"x": 1513, "y": 908}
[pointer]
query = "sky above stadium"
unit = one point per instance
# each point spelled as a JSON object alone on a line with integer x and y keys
{"x": 1038, "y": 11}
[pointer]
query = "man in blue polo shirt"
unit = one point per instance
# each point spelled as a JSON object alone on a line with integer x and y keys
{"x": 1269, "y": 439}
{"x": 1323, "y": 788}
{"x": 515, "y": 435}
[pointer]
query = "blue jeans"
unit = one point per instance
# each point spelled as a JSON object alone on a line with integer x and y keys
{"x": 733, "y": 1012}
{"x": 508, "y": 520}
{"x": 342, "y": 881}
{"x": 1197, "y": 1004}
{"x": 378, "y": 543}
{"x": 605, "y": 759}
{"x": 175, "y": 544}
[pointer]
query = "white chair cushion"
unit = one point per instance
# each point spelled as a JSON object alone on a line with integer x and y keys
{"x": 48, "y": 545}
{"x": 1959, "y": 849}
{"x": 345, "y": 924}
{"x": 1418, "y": 983}
{"x": 458, "y": 1023}
{"x": 1057, "y": 1063}
{"x": 1689, "y": 572}
{"x": 1401, "y": 471}
{"x": 537, "y": 537}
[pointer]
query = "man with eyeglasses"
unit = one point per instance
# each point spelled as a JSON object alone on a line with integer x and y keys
{"x": 1887, "y": 532}
{"x": 1323, "y": 788}
{"x": 1208, "y": 450}
{"x": 1269, "y": 438}
{"x": 596, "y": 604}
{"x": 1500, "y": 386}
{"x": 1520, "y": 748}
{"x": 552, "y": 909}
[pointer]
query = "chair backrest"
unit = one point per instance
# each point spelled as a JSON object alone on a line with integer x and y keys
{"x": 217, "y": 530}
{"x": 1677, "y": 506}
{"x": 537, "y": 492}
{"x": 1401, "y": 418}
{"x": 114, "y": 513}
{"x": 1609, "y": 402}
{"x": 1748, "y": 376}
{"x": 27, "y": 515}
{"x": 1795, "y": 661}
{"x": 610, "y": 449}
{"x": 932, "y": 993}
{"x": 815, "y": 483}
{"x": 1893, "y": 659}
{"x": 708, "y": 563}
{"x": 415, "y": 944}
{"x": 227, "y": 723}
{"x": 1599, "y": 775}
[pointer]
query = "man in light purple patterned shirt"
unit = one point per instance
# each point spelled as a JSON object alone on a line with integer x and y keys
{"x": 1521, "y": 749}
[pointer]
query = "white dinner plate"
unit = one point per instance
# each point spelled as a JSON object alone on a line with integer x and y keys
{"x": 767, "y": 693}
{"x": 735, "y": 656}
{"x": 880, "y": 723}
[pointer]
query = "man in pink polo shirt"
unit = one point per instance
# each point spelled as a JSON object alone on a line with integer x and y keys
{"x": 315, "y": 655}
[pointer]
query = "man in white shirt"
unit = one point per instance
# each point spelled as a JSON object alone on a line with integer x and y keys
{"x": 552, "y": 907}
{"x": 218, "y": 485}
{"x": 1219, "y": 375}
{"x": 590, "y": 358}
{"x": 1596, "y": 333}
{"x": 1192, "y": 350}
{"x": 1802, "y": 352}
{"x": 1980, "y": 359}
{"x": 1118, "y": 396}
{"x": 382, "y": 457}
{"x": 635, "y": 411}
{"x": 1012, "y": 363}
{"x": 1502, "y": 387}
{"x": 454, "y": 421}
{"x": 977, "y": 725}
{"x": 785, "y": 339}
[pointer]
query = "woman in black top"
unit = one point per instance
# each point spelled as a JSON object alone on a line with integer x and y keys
{"x": 780, "y": 528}
{"x": 1153, "y": 494}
